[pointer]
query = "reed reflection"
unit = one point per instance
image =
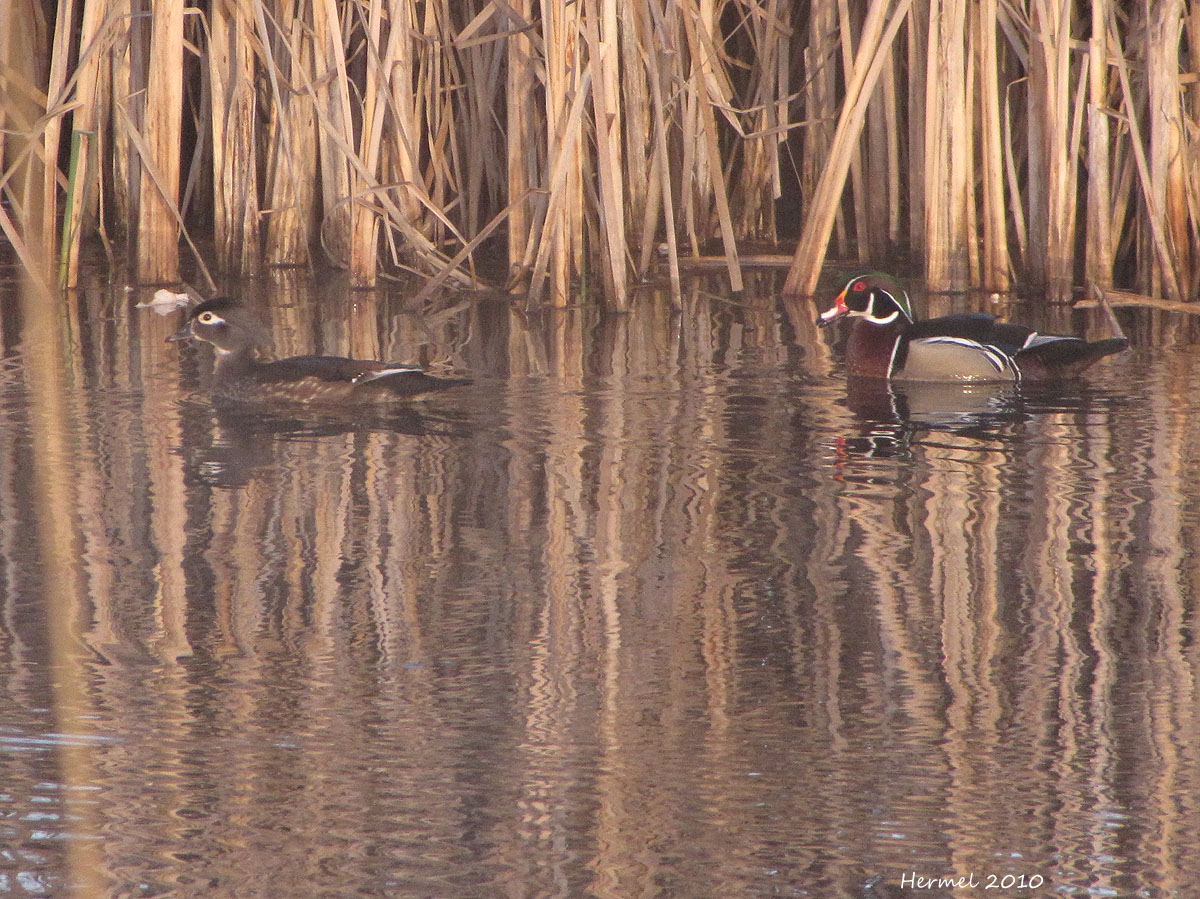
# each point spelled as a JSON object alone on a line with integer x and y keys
{"x": 634, "y": 613}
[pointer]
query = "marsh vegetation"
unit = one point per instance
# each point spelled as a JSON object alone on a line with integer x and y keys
{"x": 595, "y": 143}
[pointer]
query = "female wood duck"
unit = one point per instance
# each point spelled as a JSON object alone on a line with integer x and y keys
{"x": 887, "y": 341}
{"x": 242, "y": 376}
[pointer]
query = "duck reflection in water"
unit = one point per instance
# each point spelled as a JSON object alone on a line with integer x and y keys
{"x": 892, "y": 412}
{"x": 229, "y": 444}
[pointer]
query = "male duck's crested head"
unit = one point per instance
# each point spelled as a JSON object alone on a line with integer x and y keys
{"x": 876, "y": 298}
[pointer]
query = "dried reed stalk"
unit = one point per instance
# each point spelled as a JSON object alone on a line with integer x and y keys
{"x": 86, "y": 126}
{"x": 128, "y": 103}
{"x": 754, "y": 108}
{"x": 22, "y": 177}
{"x": 398, "y": 65}
{"x": 1167, "y": 179}
{"x": 883, "y": 164}
{"x": 7, "y": 88}
{"x": 641, "y": 194}
{"x": 291, "y": 135}
{"x": 947, "y": 147}
{"x": 364, "y": 222}
{"x": 699, "y": 25}
{"x": 55, "y": 94}
{"x": 858, "y": 193}
{"x": 559, "y": 249}
{"x": 967, "y": 156}
{"x": 1098, "y": 252}
{"x": 158, "y": 230}
{"x": 552, "y": 246}
{"x": 918, "y": 49}
{"x": 605, "y": 136}
{"x": 997, "y": 265}
{"x": 1191, "y": 152}
{"x": 1154, "y": 219}
{"x": 329, "y": 87}
{"x": 231, "y": 67}
{"x": 1124, "y": 298}
{"x": 521, "y": 140}
{"x": 479, "y": 163}
{"x": 875, "y": 44}
{"x": 662, "y": 194}
{"x": 602, "y": 38}
{"x": 820, "y": 101}
{"x": 1052, "y": 181}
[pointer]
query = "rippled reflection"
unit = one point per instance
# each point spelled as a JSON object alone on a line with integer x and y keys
{"x": 659, "y": 606}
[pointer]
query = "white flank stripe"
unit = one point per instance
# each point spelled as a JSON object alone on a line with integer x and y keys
{"x": 367, "y": 377}
{"x": 999, "y": 361}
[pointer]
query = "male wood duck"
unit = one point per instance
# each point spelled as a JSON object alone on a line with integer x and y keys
{"x": 887, "y": 341}
{"x": 242, "y": 376}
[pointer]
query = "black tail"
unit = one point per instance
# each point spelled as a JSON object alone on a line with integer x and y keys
{"x": 1067, "y": 357}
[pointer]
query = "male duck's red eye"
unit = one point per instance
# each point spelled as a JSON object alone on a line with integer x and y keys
{"x": 860, "y": 285}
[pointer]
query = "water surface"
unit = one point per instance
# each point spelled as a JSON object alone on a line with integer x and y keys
{"x": 660, "y": 606}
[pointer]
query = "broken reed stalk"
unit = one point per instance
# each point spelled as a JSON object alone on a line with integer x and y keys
{"x": 605, "y": 138}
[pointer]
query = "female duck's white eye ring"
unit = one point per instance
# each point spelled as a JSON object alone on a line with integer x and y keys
{"x": 208, "y": 318}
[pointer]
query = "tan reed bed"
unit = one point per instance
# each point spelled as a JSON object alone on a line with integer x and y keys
{"x": 987, "y": 142}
